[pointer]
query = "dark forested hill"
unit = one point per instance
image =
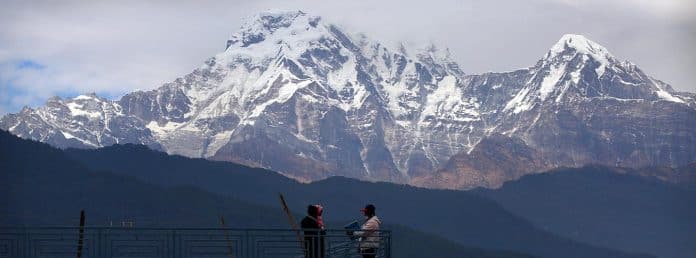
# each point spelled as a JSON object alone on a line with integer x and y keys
{"x": 43, "y": 185}
{"x": 608, "y": 206}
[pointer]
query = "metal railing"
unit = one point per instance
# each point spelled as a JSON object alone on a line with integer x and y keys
{"x": 57, "y": 242}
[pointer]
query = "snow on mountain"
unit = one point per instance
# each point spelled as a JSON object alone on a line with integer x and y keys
{"x": 296, "y": 94}
{"x": 579, "y": 45}
{"x": 83, "y": 121}
{"x": 576, "y": 67}
{"x": 284, "y": 72}
{"x": 578, "y": 105}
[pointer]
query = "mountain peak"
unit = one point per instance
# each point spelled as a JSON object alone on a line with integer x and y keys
{"x": 572, "y": 45}
{"x": 273, "y": 19}
{"x": 578, "y": 44}
{"x": 259, "y": 26}
{"x": 299, "y": 94}
{"x": 434, "y": 50}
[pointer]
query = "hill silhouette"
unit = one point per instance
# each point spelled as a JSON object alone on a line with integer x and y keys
{"x": 46, "y": 185}
{"x": 607, "y": 206}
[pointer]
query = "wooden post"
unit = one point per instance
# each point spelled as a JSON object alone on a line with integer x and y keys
{"x": 81, "y": 236}
{"x": 293, "y": 223}
{"x": 227, "y": 236}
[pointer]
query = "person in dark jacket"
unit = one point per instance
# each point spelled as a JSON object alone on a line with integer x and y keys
{"x": 313, "y": 226}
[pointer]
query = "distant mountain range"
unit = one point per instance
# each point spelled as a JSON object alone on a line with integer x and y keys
{"x": 296, "y": 94}
{"x": 42, "y": 185}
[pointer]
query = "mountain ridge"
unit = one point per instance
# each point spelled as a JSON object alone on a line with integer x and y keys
{"x": 35, "y": 172}
{"x": 607, "y": 206}
{"x": 296, "y": 94}
{"x": 44, "y": 187}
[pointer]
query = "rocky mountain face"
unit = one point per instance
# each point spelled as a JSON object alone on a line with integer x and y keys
{"x": 495, "y": 160}
{"x": 301, "y": 96}
{"x": 86, "y": 121}
{"x": 578, "y": 105}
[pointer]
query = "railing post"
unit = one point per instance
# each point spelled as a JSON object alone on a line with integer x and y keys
{"x": 247, "y": 243}
{"x": 389, "y": 246}
{"x": 25, "y": 245}
{"x": 81, "y": 234}
{"x": 173, "y": 244}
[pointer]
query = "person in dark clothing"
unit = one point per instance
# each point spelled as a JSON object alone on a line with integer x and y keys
{"x": 313, "y": 227}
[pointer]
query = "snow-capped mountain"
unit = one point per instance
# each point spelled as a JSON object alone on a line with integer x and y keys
{"x": 578, "y": 105}
{"x": 86, "y": 121}
{"x": 296, "y": 94}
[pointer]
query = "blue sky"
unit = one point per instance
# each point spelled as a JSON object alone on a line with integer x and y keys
{"x": 11, "y": 92}
{"x": 15, "y": 95}
{"x": 66, "y": 48}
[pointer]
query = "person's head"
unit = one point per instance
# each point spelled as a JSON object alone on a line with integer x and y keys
{"x": 320, "y": 209}
{"x": 313, "y": 210}
{"x": 368, "y": 211}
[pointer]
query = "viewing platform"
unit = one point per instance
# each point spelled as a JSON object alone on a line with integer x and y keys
{"x": 134, "y": 242}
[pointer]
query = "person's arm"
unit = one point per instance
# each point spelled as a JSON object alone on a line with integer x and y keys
{"x": 367, "y": 229}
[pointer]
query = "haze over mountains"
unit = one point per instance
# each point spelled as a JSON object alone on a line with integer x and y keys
{"x": 301, "y": 96}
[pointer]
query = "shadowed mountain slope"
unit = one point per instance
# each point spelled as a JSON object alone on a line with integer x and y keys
{"x": 462, "y": 217}
{"x": 608, "y": 207}
{"x": 41, "y": 186}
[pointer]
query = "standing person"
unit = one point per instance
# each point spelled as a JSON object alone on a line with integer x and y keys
{"x": 313, "y": 226}
{"x": 369, "y": 233}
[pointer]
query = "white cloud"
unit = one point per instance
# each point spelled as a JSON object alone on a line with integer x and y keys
{"x": 116, "y": 47}
{"x": 676, "y": 10}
